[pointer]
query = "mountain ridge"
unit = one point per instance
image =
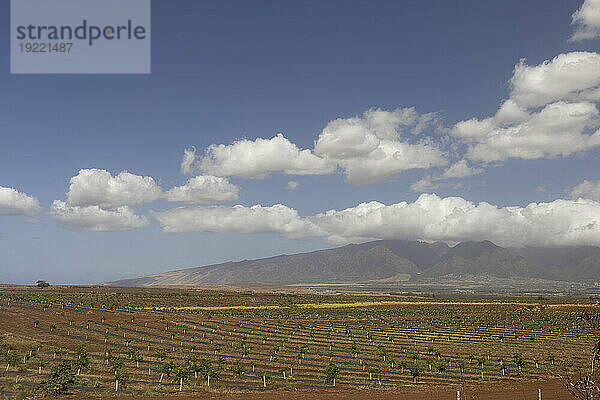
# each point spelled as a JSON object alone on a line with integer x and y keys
{"x": 390, "y": 261}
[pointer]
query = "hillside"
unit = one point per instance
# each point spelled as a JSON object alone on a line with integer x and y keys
{"x": 391, "y": 261}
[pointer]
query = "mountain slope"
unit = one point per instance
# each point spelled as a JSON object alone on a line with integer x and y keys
{"x": 345, "y": 264}
{"x": 485, "y": 258}
{"x": 567, "y": 263}
{"x": 391, "y": 261}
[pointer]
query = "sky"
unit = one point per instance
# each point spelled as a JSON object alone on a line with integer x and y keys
{"x": 271, "y": 128}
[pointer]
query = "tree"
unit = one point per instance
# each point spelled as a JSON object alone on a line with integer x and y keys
{"x": 239, "y": 370}
{"x": 83, "y": 360}
{"x": 11, "y": 358}
{"x": 61, "y": 377}
{"x": 265, "y": 377}
{"x": 121, "y": 378}
{"x": 372, "y": 370}
{"x": 208, "y": 372}
{"x": 165, "y": 368}
{"x": 441, "y": 366}
{"x": 518, "y": 360}
{"x": 354, "y": 349}
{"x": 587, "y": 385}
{"x": 41, "y": 363}
{"x": 42, "y": 284}
{"x": 481, "y": 363}
{"x": 331, "y": 373}
{"x": 181, "y": 373}
{"x": 138, "y": 358}
{"x": 402, "y": 364}
{"x": 416, "y": 371}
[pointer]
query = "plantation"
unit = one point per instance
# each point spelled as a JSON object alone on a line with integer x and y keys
{"x": 102, "y": 341}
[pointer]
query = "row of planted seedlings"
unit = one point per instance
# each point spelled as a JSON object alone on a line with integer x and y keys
{"x": 372, "y": 369}
{"x": 283, "y": 344}
{"x": 534, "y": 361}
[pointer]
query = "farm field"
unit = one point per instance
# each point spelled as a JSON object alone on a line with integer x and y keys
{"x": 124, "y": 342}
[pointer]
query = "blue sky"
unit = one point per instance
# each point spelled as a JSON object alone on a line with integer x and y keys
{"x": 238, "y": 73}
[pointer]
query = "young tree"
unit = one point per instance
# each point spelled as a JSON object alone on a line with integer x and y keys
{"x": 518, "y": 360}
{"x": 165, "y": 369}
{"x": 587, "y": 385}
{"x": 61, "y": 377}
{"x": 265, "y": 377}
{"x": 354, "y": 349}
{"x": 331, "y": 373}
{"x": 416, "y": 371}
{"x": 138, "y": 358}
{"x": 239, "y": 370}
{"x": 11, "y": 358}
{"x": 121, "y": 378}
{"x": 181, "y": 373}
{"x": 41, "y": 363}
{"x": 481, "y": 363}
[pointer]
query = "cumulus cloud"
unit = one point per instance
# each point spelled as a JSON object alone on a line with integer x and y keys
{"x": 259, "y": 158}
{"x": 203, "y": 189}
{"x": 292, "y": 185}
{"x": 460, "y": 169}
{"x": 587, "y": 190}
{"x": 571, "y": 76}
{"x": 451, "y": 219}
{"x": 237, "y": 219}
{"x": 368, "y": 148}
{"x": 587, "y": 21}
{"x": 13, "y": 202}
{"x": 378, "y": 144}
{"x": 551, "y": 112}
{"x": 424, "y": 184}
{"x": 188, "y": 162}
{"x": 559, "y": 129}
{"x": 97, "y": 187}
{"x": 429, "y": 218}
{"x": 95, "y": 218}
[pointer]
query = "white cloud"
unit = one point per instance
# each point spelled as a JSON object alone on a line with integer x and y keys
{"x": 13, "y": 202}
{"x": 189, "y": 158}
{"x": 261, "y": 157}
{"x": 571, "y": 76}
{"x": 369, "y": 148}
{"x": 587, "y": 190}
{"x": 587, "y": 21}
{"x": 424, "y": 184}
{"x": 460, "y": 169}
{"x": 292, "y": 185}
{"x": 94, "y": 218}
{"x": 378, "y": 144}
{"x": 237, "y": 219}
{"x": 551, "y": 112}
{"x": 429, "y": 218}
{"x": 559, "y": 129}
{"x": 97, "y": 187}
{"x": 203, "y": 189}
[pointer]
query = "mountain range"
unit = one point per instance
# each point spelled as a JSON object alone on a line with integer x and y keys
{"x": 387, "y": 261}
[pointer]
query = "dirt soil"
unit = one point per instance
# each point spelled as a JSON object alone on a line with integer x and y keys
{"x": 515, "y": 390}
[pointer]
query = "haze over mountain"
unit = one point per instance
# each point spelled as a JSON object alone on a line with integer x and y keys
{"x": 392, "y": 261}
